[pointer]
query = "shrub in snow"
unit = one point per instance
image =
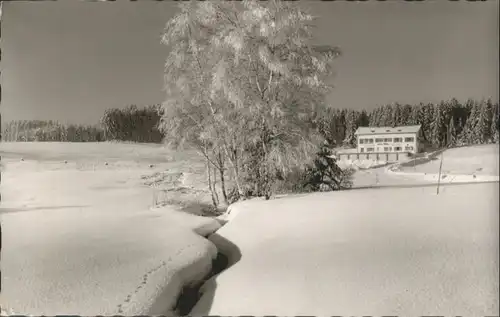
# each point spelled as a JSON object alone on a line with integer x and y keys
{"x": 322, "y": 175}
{"x": 233, "y": 195}
{"x": 325, "y": 174}
{"x": 293, "y": 182}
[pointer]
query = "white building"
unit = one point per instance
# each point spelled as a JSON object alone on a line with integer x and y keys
{"x": 404, "y": 139}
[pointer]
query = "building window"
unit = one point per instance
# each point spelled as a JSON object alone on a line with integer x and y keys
{"x": 388, "y": 140}
{"x": 362, "y": 150}
{"x": 361, "y": 141}
{"x": 387, "y": 149}
{"x": 398, "y": 139}
{"x": 369, "y": 149}
{"x": 378, "y": 140}
{"x": 409, "y": 148}
{"x": 368, "y": 141}
{"x": 397, "y": 148}
{"x": 411, "y": 139}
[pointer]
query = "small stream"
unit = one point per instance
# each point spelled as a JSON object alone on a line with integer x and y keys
{"x": 190, "y": 295}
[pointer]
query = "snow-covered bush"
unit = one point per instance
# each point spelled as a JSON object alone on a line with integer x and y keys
{"x": 325, "y": 174}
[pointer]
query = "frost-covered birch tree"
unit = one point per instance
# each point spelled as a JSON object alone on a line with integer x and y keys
{"x": 240, "y": 77}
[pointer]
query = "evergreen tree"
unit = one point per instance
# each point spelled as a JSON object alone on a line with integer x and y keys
{"x": 452, "y": 133}
{"x": 380, "y": 116}
{"x": 457, "y": 111}
{"x": 386, "y": 116}
{"x": 371, "y": 118}
{"x": 414, "y": 117}
{"x": 446, "y": 117}
{"x": 396, "y": 115}
{"x": 437, "y": 126}
{"x": 325, "y": 174}
{"x": 351, "y": 121}
{"x": 406, "y": 111}
{"x": 426, "y": 119}
{"x": 460, "y": 130}
{"x": 482, "y": 128}
{"x": 375, "y": 117}
{"x": 342, "y": 124}
{"x": 334, "y": 124}
{"x": 467, "y": 136}
{"x": 494, "y": 123}
{"x": 363, "y": 119}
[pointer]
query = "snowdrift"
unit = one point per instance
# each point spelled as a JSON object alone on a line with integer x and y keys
{"x": 85, "y": 241}
{"x": 361, "y": 252}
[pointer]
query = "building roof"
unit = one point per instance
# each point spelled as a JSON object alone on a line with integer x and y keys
{"x": 387, "y": 130}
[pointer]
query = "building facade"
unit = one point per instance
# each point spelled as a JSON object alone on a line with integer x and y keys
{"x": 403, "y": 139}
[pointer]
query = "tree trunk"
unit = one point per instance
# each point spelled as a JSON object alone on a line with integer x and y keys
{"x": 210, "y": 186}
{"x": 215, "y": 186}
{"x": 266, "y": 190}
{"x": 222, "y": 179}
{"x": 234, "y": 165}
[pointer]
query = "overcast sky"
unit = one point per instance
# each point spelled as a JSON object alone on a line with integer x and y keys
{"x": 69, "y": 60}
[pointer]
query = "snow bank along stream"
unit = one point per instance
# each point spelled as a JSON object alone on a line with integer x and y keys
{"x": 227, "y": 255}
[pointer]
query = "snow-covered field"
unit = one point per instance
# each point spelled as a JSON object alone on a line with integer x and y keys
{"x": 406, "y": 252}
{"x": 79, "y": 236}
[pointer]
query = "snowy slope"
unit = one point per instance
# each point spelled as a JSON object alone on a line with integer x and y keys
{"x": 478, "y": 160}
{"x": 80, "y": 238}
{"x": 361, "y": 252}
{"x": 460, "y": 165}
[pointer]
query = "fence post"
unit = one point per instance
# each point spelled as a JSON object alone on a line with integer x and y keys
{"x": 439, "y": 175}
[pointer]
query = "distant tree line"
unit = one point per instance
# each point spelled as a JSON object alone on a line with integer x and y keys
{"x": 50, "y": 131}
{"x": 444, "y": 124}
{"x": 129, "y": 124}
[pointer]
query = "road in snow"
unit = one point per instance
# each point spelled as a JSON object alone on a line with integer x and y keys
{"x": 79, "y": 238}
{"x": 384, "y": 252}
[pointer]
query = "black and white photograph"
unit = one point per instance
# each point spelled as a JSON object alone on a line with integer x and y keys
{"x": 249, "y": 158}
